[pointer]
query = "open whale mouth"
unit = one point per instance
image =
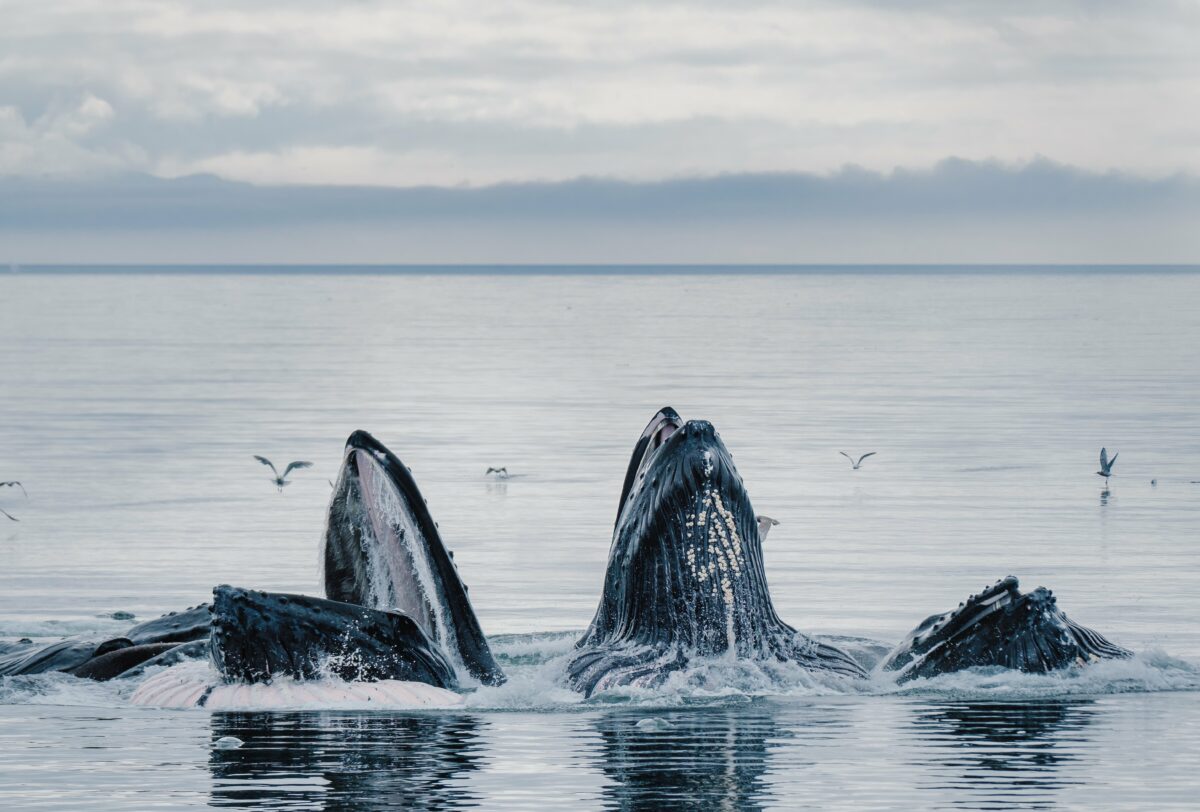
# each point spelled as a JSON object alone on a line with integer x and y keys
{"x": 383, "y": 550}
{"x": 685, "y": 575}
{"x": 687, "y": 539}
{"x": 660, "y": 428}
{"x": 974, "y": 610}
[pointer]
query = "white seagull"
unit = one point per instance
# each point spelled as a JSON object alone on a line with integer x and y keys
{"x": 501, "y": 473}
{"x": 860, "y": 459}
{"x": 765, "y": 523}
{"x": 13, "y": 484}
{"x": 1106, "y": 465}
{"x": 281, "y": 479}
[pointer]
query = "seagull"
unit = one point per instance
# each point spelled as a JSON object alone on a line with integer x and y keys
{"x": 281, "y": 479}
{"x": 765, "y": 523}
{"x": 1106, "y": 465}
{"x": 501, "y": 473}
{"x": 13, "y": 484}
{"x": 860, "y": 459}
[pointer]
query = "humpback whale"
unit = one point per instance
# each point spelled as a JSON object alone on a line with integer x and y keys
{"x": 1001, "y": 626}
{"x": 395, "y": 613}
{"x": 685, "y": 576}
{"x": 163, "y": 640}
{"x": 684, "y": 581}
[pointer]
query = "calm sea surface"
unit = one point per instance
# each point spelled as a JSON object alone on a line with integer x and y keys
{"x": 131, "y": 406}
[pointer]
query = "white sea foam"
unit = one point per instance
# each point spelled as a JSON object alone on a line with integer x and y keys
{"x": 185, "y": 686}
{"x": 535, "y": 665}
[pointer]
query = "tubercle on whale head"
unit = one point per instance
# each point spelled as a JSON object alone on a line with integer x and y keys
{"x": 938, "y": 629}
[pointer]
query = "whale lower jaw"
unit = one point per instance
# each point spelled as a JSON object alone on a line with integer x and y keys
{"x": 383, "y": 550}
{"x": 999, "y": 627}
{"x": 182, "y": 687}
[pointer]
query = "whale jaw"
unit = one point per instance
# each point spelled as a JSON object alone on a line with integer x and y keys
{"x": 685, "y": 576}
{"x": 383, "y": 550}
{"x": 1002, "y": 627}
{"x": 258, "y": 636}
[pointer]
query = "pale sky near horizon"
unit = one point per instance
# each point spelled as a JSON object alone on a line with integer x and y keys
{"x": 471, "y": 94}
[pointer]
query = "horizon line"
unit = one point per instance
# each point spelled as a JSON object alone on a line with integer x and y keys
{"x": 566, "y": 268}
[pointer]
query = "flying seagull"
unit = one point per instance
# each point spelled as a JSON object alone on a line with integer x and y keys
{"x": 860, "y": 459}
{"x": 765, "y": 523}
{"x": 281, "y": 479}
{"x": 1106, "y": 465}
{"x": 501, "y": 473}
{"x": 13, "y": 484}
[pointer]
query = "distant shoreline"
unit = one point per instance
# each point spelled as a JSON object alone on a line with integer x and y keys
{"x": 549, "y": 269}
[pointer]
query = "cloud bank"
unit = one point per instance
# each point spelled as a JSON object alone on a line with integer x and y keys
{"x": 957, "y": 211}
{"x": 570, "y": 131}
{"x": 407, "y": 94}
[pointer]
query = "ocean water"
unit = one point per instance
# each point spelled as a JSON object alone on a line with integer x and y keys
{"x": 131, "y": 406}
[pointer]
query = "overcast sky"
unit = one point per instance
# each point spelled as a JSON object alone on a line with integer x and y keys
{"x": 473, "y": 94}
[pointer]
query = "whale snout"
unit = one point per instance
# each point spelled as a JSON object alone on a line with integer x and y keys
{"x": 699, "y": 429}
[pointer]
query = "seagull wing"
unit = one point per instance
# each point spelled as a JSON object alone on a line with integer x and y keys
{"x": 267, "y": 463}
{"x": 1113, "y": 461}
{"x": 847, "y": 456}
{"x": 14, "y": 484}
{"x": 1104, "y": 459}
{"x": 296, "y": 464}
{"x": 9, "y": 515}
{"x": 864, "y": 456}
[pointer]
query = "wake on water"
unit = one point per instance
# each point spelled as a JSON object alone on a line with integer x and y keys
{"x": 535, "y": 664}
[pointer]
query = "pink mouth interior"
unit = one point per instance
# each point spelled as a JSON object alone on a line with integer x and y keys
{"x": 391, "y": 558}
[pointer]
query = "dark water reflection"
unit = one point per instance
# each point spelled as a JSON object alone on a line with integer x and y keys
{"x": 994, "y": 755}
{"x": 708, "y": 758}
{"x": 345, "y": 761}
{"x": 867, "y": 752}
{"x": 751, "y": 755}
{"x": 717, "y": 756}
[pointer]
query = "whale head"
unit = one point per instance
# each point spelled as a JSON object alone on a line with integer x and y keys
{"x": 259, "y": 636}
{"x": 1000, "y": 626}
{"x": 383, "y": 550}
{"x": 685, "y": 575}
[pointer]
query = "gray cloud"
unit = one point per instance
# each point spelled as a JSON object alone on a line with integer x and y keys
{"x": 462, "y": 92}
{"x": 959, "y": 211}
{"x": 549, "y": 131}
